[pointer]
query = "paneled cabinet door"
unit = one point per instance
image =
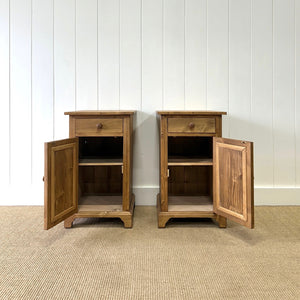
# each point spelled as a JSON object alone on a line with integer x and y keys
{"x": 233, "y": 180}
{"x": 60, "y": 181}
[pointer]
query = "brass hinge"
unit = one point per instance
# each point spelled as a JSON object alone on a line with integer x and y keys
{"x": 122, "y": 169}
{"x": 168, "y": 172}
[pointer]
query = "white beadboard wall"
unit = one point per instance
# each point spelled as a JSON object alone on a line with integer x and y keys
{"x": 240, "y": 56}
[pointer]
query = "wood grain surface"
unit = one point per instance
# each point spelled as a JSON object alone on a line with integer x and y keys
{"x": 60, "y": 181}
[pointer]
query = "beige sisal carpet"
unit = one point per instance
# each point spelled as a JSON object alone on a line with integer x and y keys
{"x": 186, "y": 260}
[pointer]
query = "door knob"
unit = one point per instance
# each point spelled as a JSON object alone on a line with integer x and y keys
{"x": 192, "y": 125}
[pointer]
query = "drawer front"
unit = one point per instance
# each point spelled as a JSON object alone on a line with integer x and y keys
{"x": 98, "y": 126}
{"x": 191, "y": 125}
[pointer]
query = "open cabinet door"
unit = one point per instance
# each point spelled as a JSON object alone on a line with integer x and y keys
{"x": 233, "y": 180}
{"x": 60, "y": 181}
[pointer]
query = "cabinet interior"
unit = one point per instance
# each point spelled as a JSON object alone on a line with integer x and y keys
{"x": 100, "y": 149}
{"x": 100, "y": 173}
{"x": 190, "y": 182}
{"x": 197, "y": 150}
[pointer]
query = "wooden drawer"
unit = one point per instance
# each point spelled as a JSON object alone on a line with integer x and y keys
{"x": 98, "y": 127}
{"x": 192, "y": 125}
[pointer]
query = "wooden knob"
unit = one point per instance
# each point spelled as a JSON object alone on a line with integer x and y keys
{"x": 99, "y": 126}
{"x": 192, "y": 125}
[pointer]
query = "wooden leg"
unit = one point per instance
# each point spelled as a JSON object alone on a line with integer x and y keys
{"x": 127, "y": 220}
{"x": 162, "y": 221}
{"x": 222, "y": 221}
{"x": 68, "y": 222}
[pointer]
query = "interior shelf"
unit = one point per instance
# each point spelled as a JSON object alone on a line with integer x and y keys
{"x": 189, "y": 161}
{"x": 190, "y": 203}
{"x": 101, "y": 162}
{"x": 100, "y": 203}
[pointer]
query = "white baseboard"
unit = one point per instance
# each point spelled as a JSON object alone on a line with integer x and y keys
{"x": 277, "y": 196}
{"x": 262, "y": 196}
{"x": 144, "y": 195}
{"x": 31, "y": 194}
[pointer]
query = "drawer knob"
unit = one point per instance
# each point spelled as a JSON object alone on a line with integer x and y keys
{"x": 99, "y": 126}
{"x": 191, "y": 125}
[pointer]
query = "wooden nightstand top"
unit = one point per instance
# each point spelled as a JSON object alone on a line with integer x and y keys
{"x": 189, "y": 112}
{"x": 100, "y": 113}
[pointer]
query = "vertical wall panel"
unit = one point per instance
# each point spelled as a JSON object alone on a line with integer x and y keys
{"x": 130, "y": 54}
{"x": 174, "y": 75}
{"x": 64, "y": 65}
{"x": 20, "y": 26}
{"x": 262, "y": 91}
{"x": 284, "y": 85}
{"x": 240, "y": 68}
{"x": 195, "y": 54}
{"x": 130, "y": 63}
{"x": 86, "y": 55}
{"x": 217, "y": 57}
{"x": 109, "y": 53}
{"x": 146, "y": 134}
{"x": 42, "y": 83}
{"x": 4, "y": 91}
{"x": 297, "y": 90}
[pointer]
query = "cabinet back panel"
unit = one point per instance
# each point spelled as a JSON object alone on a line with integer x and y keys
{"x": 100, "y": 180}
{"x": 190, "y": 180}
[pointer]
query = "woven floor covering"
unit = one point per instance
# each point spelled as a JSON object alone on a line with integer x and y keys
{"x": 189, "y": 259}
